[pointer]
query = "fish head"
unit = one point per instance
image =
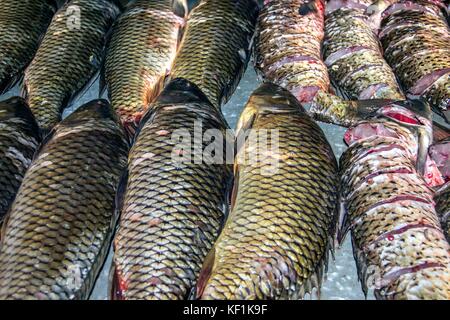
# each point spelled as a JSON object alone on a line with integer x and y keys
{"x": 278, "y": 98}
{"x": 17, "y": 108}
{"x": 98, "y": 109}
{"x": 180, "y": 90}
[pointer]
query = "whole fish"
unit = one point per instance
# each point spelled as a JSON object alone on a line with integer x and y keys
{"x": 415, "y": 37}
{"x": 354, "y": 59}
{"x": 398, "y": 243}
{"x": 69, "y": 56}
{"x": 288, "y": 46}
{"x": 58, "y": 231}
{"x": 173, "y": 207}
{"x": 19, "y": 138}
{"x": 216, "y": 46}
{"x": 275, "y": 242}
{"x": 140, "y": 54}
{"x": 22, "y": 25}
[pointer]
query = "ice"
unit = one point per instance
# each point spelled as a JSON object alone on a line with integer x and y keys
{"x": 341, "y": 280}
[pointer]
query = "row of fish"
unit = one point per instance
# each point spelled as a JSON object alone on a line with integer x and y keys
{"x": 398, "y": 243}
{"x": 288, "y": 50}
{"x": 274, "y": 243}
{"x": 58, "y": 228}
{"x": 353, "y": 54}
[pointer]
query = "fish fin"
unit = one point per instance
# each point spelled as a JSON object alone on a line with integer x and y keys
{"x": 343, "y": 223}
{"x": 120, "y": 194}
{"x": 72, "y": 99}
{"x": 102, "y": 85}
{"x": 180, "y": 8}
{"x": 229, "y": 195}
{"x": 191, "y": 294}
{"x": 313, "y": 281}
{"x": 424, "y": 141}
{"x": 11, "y": 82}
{"x": 234, "y": 189}
{"x": 147, "y": 117}
{"x": 446, "y": 115}
{"x": 206, "y": 272}
{"x": 3, "y": 223}
{"x": 46, "y": 137}
{"x": 307, "y": 8}
{"x": 361, "y": 267}
{"x": 114, "y": 288}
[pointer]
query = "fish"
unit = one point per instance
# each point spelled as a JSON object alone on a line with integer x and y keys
{"x": 23, "y": 24}
{"x": 288, "y": 47}
{"x": 375, "y": 10}
{"x": 277, "y": 238}
{"x": 440, "y": 132}
{"x": 142, "y": 48}
{"x": 442, "y": 199}
{"x": 399, "y": 246}
{"x": 415, "y": 38}
{"x": 176, "y": 197}
{"x": 70, "y": 54}
{"x": 330, "y": 108}
{"x": 333, "y": 5}
{"x": 216, "y": 47}
{"x": 354, "y": 59}
{"x": 59, "y": 228}
{"x": 19, "y": 139}
{"x": 440, "y": 153}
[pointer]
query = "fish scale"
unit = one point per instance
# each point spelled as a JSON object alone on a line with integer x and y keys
{"x": 443, "y": 208}
{"x": 68, "y": 57}
{"x": 23, "y": 24}
{"x": 216, "y": 46}
{"x": 140, "y": 54}
{"x": 275, "y": 242}
{"x": 288, "y": 46}
{"x": 397, "y": 240}
{"x": 172, "y": 211}
{"x": 421, "y": 62}
{"x": 354, "y": 58}
{"x": 19, "y": 138}
{"x": 57, "y": 233}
